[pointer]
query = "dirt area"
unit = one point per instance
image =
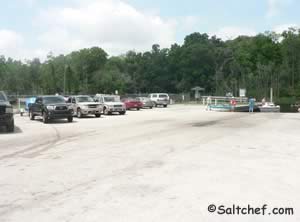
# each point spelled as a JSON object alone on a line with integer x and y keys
{"x": 165, "y": 164}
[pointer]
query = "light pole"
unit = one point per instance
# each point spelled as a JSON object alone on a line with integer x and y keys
{"x": 66, "y": 67}
{"x": 85, "y": 80}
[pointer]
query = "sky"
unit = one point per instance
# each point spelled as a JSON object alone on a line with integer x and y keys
{"x": 33, "y": 28}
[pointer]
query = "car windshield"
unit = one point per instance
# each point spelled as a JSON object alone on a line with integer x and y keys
{"x": 54, "y": 99}
{"x": 83, "y": 99}
{"x": 111, "y": 99}
{"x": 2, "y": 97}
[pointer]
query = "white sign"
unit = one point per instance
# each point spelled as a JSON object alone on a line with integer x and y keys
{"x": 243, "y": 92}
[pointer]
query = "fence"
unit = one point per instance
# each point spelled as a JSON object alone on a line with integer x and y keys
{"x": 219, "y": 100}
{"x": 174, "y": 98}
{"x": 19, "y": 100}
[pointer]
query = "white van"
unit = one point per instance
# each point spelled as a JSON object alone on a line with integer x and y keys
{"x": 160, "y": 99}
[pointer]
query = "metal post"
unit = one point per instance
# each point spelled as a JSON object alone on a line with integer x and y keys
{"x": 65, "y": 80}
{"x": 271, "y": 95}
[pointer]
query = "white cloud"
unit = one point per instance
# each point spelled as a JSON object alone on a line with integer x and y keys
{"x": 10, "y": 42}
{"x": 281, "y": 28}
{"x": 13, "y": 45}
{"x": 231, "y": 32}
{"x": 275, "y": 7}
{"x": 26, "y": 3}
{"x": 111, "y": 24}
{"x": 190, "y": 23}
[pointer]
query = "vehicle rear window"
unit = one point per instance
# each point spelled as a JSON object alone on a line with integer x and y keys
{"x": 54, "y": 99}
{"x": 163, "y": 96}
{"x": 111, "y": 99}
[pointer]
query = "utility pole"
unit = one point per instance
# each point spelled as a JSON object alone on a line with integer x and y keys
{"x": 86, "y": 80}
{"x": 66, "y": 67}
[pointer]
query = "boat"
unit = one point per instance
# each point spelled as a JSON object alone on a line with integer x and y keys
{"x": 269, "y": 107}
{"x": 220, "y": 108}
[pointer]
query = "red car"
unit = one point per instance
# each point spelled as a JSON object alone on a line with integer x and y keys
{"x": 132, "y": 104}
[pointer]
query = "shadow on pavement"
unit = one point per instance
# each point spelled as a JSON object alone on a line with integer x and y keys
{"x": 16, "y": 131}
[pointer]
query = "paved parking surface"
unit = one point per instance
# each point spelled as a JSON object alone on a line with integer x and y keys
{"x": 151, "y": 165}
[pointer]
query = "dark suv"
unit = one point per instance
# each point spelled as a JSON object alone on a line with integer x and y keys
{"x": 51, "y": 107}
{"x": 6, "y": 113}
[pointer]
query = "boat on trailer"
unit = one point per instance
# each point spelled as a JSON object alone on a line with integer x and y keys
{"x": 220, "y": 108}
{"x": 269, "y": 107}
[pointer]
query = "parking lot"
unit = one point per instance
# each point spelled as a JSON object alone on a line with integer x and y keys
{"x": 165, "y": 164}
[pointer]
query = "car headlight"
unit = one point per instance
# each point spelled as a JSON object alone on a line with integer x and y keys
{"x": 9, "y": 110}
{"x": 50, "y": 107}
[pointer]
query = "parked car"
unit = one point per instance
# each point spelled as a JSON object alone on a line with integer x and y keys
{"x": 147, "y": 103}
{"x": 51, "y": 107}
{"x": 160, "y": 99}
{"x": 111, "y": 104}
{"x": 6, "y": 113}
{"x": 85, "y": 105}
{"x": 131, "y": 103}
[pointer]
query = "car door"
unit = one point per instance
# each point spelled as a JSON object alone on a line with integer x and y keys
{"x": 99, "y": 100}
{"x": 37, "y": 106}
{"x": 154, "y": 97}
{"x": 70, "y": 104}
{"x": 74, "y": 104}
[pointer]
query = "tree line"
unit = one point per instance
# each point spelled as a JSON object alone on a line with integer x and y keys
{"x": 255, "y": 63}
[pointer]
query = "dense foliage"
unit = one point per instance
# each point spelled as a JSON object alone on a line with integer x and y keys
{"x": 255, "y": 63}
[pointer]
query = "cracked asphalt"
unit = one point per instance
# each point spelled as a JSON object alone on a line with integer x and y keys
{"x": 150, "y": 165}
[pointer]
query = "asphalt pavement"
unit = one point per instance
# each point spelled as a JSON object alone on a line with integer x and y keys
{"x": 166, "y": 164}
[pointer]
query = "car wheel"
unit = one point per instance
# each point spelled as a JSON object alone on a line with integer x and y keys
{"x": 79, "y": 114}
{"x": 138, "y": 109}
{"x": 151, "y": 107}
{"x": 45, "y": 118}
{"x": 105, "y": 111}
{"x": 98, "y": 115}
{"x": 165, "y": 106}
{"x": 70, "y": 119}
{"x": 31, "y": 116}
{"x": 122, "y": 113}
{"x": 11, "y": 127}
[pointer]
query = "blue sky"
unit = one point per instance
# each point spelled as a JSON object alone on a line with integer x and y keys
{"x": 32, "y": 28}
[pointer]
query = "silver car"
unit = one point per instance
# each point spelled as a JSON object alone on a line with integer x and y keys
{"x": 147, "y": 103}
{"x": 111, "y": 104}
{"x": 160, "y": 99}
{"x": 85, "y": 105}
